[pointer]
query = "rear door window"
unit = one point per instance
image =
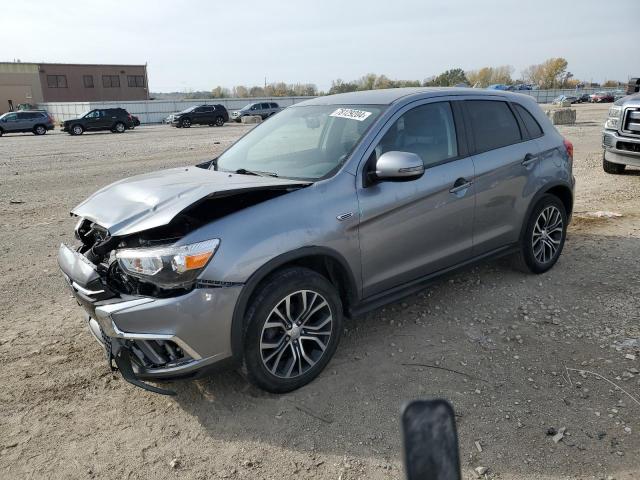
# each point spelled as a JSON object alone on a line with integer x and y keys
{"x": 493, "y": 123}
{"x": 530, "y": 123}
{"x": 265, "y": 106}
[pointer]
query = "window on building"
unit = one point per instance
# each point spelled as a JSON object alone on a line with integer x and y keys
{"x": 111, "y": 81}
{"x": 135, "y": 80}
{"x": 88, "y": 81}
{"x": 57, "y": 81}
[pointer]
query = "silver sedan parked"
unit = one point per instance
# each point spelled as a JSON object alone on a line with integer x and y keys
{"x": 335, "y": 206}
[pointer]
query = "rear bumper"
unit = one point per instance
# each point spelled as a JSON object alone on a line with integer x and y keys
{"x": 167, "y": 337}
{"x": 620, "y": 149}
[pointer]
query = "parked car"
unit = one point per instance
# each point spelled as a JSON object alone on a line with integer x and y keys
{"x": 519, "y": 86}
{"x": 37, "y": 122}
{"x": 618, "y": 94}
{"x": 233, "y": 259}
{"x": 559, "y": 100}
{"x": 117, "y": 120}
{"x": 201, "y": 115}
{"x": 498, "y": 86}
{"x": 601, "y": 97}
{"x": 262, "y": 109}
{"x": 621, "y": 135}
{"x": 584, "y": 98}
{"x": 136, "y": 121}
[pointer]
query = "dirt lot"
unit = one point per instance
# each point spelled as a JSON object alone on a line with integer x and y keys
{"x": 510, "y": 338}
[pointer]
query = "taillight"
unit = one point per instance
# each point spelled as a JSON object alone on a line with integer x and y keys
{"x": 130, "y": 119}
{"x": 569, "y": 146}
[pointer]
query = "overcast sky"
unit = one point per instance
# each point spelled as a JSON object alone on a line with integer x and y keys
{"x": 200, "y": 44}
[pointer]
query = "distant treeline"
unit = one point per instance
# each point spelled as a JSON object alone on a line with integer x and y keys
{"x": 551, "y": 73}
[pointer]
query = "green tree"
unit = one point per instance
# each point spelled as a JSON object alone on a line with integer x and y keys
{"x": 339, "y": 86}
{"x": 448, "y": 79}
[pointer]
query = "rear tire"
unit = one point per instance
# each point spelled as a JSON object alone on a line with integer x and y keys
{"x": 612, "y": 168}
{"x": 119, "y": 127}
{"x": 39, "y": 130}
{"x": 1, "y": 132}
{"x": 294, "y": 324}
{"x": 544, "y": 236}
{"x": 219, "y": 121}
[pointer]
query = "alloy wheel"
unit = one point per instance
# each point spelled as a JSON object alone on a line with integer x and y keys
{"x": 77, "y": 130}
{"x": 296, "y": 334}
{"x": 547, "y": 234}
{"x": 119, "y": 127}
{"x": 40, "y": 130}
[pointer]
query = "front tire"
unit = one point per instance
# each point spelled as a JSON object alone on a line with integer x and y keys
{"x": 544, "y": 236}
{"x": 294, "y": 324}
{"x": 76, "y": 130}
{"x": 612, "y": 168}
{"x": 185, "y": 123}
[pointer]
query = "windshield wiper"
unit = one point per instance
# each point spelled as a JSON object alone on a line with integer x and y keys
{"x": 244, "y": 171}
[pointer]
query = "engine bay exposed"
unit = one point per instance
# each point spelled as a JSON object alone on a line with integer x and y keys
{"x": 99, "y": 247}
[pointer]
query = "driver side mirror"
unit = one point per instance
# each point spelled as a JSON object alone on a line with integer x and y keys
{"x": 398, "y": 166}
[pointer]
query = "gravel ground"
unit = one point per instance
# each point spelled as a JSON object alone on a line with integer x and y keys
{"x": 510, "y": 338}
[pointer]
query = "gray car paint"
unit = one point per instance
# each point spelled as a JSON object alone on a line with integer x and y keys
{"x": 386, "y": 234}
{"x": 151, "y": 200}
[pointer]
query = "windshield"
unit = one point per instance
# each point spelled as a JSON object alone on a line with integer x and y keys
{"x": 186, "y": 110}
{"x": 307, "y": 143}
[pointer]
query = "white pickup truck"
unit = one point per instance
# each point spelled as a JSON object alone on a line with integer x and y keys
{"x": 621, "y": 135}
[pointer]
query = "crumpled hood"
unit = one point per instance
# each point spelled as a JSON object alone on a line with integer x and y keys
{"x": 154, "y": 199}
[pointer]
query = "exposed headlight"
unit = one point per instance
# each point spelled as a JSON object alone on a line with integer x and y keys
{"x": 613, "y": 121}
{"x": 168, "y": 267}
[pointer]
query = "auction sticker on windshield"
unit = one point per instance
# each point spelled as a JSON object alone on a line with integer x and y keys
{"x": 351, "y": 113}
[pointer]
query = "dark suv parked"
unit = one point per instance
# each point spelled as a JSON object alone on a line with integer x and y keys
{"x": 115, "y": 119}
{"x": 36, "y": 121}
{"x": 201, "y": 115}
{"x": 263, "y": 109}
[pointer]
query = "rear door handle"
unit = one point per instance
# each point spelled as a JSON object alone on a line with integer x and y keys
{"x": 529, "y": 158}
{"x": 460, "y": 184}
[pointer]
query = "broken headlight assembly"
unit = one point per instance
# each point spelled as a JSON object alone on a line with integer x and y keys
{"x": 167, "y": 267}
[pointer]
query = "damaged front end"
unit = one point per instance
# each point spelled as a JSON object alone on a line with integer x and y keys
{"x": 139, "y": 282}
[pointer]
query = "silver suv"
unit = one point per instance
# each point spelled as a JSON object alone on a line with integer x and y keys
{"x": 262, "y": 109}
{"x": 334, "y": 207}
{"x": 621, "y": 135}
{"x": 37, "y": 122}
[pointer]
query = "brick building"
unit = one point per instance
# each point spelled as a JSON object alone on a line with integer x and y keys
{"x": 61, "y": 82}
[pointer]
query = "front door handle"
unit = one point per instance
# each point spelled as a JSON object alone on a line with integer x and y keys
{"x": 460, "y": 184}
{"x": 529, "y": 158}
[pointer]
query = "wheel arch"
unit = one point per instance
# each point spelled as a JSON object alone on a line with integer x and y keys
{"x": 323, "y": 260}
{"x": 558, "y": 189}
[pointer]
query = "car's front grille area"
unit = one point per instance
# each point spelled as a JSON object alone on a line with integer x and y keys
{"x": 157, "y": 353}
{"x": 631, "y": 122}
{"x": 628, "y": 146}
